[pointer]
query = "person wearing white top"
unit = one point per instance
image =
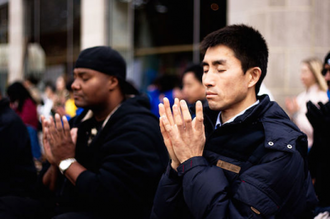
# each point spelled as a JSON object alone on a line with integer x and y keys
{"x": 315, "y": 91}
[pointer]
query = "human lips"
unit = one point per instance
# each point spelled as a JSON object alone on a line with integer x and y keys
{"x": 210, "y": 94}
{"x": 76, "y": 96}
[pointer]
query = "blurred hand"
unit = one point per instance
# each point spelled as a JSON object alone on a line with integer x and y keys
{"x": 60, "y": 110}
{"x": 319, "y": 117}
{"x": 291, "y": 105}
{"x": 46, "y": 145}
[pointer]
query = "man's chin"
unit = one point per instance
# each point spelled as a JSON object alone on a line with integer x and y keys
{"x": 79, "y": 104}
{"x": 213, "y": 107}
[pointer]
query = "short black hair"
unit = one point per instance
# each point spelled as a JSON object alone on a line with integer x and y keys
{"x": 17, "y": 92}
{"x": 248, "y": 44}
{"x": 197, "y": 70}
{"x": 34, "y": 80}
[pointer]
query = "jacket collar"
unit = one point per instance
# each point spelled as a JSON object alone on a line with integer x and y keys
{"x": 280, "y": 132}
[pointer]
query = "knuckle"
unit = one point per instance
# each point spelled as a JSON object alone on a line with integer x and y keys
{"x": 187, "y": 121}
{"x": 200, "y": 119}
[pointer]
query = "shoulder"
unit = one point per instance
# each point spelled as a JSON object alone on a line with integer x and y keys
{"x": 9, "y": 117}
{"x": 280, "y": 132}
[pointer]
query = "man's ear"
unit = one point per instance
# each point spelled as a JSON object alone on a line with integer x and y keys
{"x": 254, "y": 75}
{"x": 113, "y": 83}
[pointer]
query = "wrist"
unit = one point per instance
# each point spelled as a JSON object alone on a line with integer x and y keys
{"x": 65, "y": 164}
{"x": 175, "y": 165}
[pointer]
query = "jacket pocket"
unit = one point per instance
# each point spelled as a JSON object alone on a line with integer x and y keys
{"x": 258, "y": 201}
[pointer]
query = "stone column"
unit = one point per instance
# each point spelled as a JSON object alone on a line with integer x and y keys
{"x": 93, "y": 23}
{"x": 121, "y": 33}
{"x": 16, "y": 41}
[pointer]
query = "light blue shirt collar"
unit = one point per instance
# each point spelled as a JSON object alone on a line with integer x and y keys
{"x": 218, "y": 123}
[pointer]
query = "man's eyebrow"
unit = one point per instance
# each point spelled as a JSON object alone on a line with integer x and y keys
{"x": 79, "y": 73}
{"x": 219, "y": 62}
{"x": 204, "y": 64}
{"x": 216, "y": 62}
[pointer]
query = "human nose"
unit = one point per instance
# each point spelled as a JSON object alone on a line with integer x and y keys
{"x": 75, "y": 85}
{"x": 208, "y": 79}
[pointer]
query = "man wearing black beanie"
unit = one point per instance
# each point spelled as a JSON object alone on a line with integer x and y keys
{"x": 318, "y": 157}
{"x": 108, "y": 161}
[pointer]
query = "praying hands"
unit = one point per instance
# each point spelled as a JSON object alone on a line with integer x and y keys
{"x": 184, "y": 138}
{"x": 58, "y": 140}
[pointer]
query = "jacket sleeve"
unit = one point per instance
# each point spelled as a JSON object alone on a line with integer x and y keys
{"x": 131, "y": 163}
{"x": 261, "y": 190}
{"x": 168, "y": 201}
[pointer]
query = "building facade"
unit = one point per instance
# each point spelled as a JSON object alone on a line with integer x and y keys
{"x": 156, "y": 37}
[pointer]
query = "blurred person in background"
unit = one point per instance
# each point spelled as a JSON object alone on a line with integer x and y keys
{"x": 318, "y": 157}
{"x": 30, "y": 83}
{"x": 17, "y": 173}
{"x": 192, "y": 86}
{"x": 25, "y": 106}
{"x": 62, "y": 94}
{"x": 164, "y": 86}
{"x": 315, "y": 85}
{"x": 69, "y": 109}
{"x": 48, "y": 98}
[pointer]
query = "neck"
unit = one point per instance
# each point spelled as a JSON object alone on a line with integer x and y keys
{"x": 235, "y": 109}
{"x": 105, "y": 109}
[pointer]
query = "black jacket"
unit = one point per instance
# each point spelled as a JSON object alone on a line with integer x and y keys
{"x": 318, "y": 156}
{"x": 17, "y": 173}
{"x": 254, "y": 167}
{"x": 124, "y": 162}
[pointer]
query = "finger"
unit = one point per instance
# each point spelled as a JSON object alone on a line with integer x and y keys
{"x": 171, "y": 130}
{"x": 199, "y": 116}
{"x": 58, "y": 123}
{"x": 45, "y": 132}
{"x": 168, "y": 112}
{"x": 178, "y": 110}
{"x": 312, "y": 110}
{"x": 186, "y": 116}
{"x": 46, "y": 135}
{"x": 163, "y": 131}
{"x": 176, "y": 101}
{"x": 161, "y": 110}
{"x": 178, "y": 118}
{"x": 51, "y": 126}
{"x": 43, "y": 123}
{"x": 167, "y": 140}
{"x": 66, "y": 127}
{"x": 324, "y": 109}
{"x": 46, "y": 147}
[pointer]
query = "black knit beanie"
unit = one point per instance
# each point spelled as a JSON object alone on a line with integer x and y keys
{"x": 108, "y": 61}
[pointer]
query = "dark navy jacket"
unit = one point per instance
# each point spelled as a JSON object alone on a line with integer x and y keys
{"x": 18, "y": 174}
{"x": 124, "y": 163}
{"x": 253, "y": 167}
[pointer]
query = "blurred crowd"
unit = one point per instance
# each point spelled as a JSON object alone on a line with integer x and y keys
{"x": 30, "y": 102}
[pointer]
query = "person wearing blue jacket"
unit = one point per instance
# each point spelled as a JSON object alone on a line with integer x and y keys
{"x": 241, "y": 157}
